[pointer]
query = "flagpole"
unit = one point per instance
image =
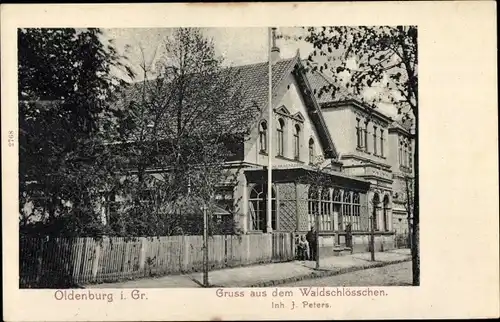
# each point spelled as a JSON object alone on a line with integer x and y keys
{"x": 269, "y": 137}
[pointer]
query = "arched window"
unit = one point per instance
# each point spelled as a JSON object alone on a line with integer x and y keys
{"x": 375, "y": 140}
{"x": 356, "y": 210}
{"x": 312, "y": 205}
{"x": 280, "y": 137}
{"x": 296, "y": 142}
{"x": 337, "y": 207}
{"x": 406, "y": 154}
{"x": 346, "y": 209}
{"x": 376, "y": 205}
{"x": 311, "y": 150}
{"x": 386, "y": 213}
{"x": 326, "y": 210}
{"x": 258, "y": 208}
{"x": 263, "y": 136}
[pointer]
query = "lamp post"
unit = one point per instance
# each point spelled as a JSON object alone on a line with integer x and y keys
{"x": 317, "y": 238}
{"x": 372, "y": 235}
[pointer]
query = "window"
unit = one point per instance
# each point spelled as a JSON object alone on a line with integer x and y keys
{"x": 381, "y": 142}
{"x": 375, "y": 140}
{"x": 410, "y": 158}
{"x": 263, "y": 136}
{"x": 311, "y": 150}
{"x": 375, "y": 215}
{"x": 280, "y": 137}
{"x": 359, "y": 134}
{"x": 400, "y": 152}
{"x": 346, "y": 209}
{"x": 337, "y": 205}
{"x": 147, "y": 196}
{"x": 356, "y": 209}
{"x": 366, "y": 136}
{"x": 351, "y": 210}
{"x": 224, "y": 198}
{"x": 326, "y": 222}
{"x": 312, "y": 206}
{"x": 296, "y": 142}
{"x": 405, "y": 160}
{"x": 258, "y": 208}
{"x": 386, "y": 213}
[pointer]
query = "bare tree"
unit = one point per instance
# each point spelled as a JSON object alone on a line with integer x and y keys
{"x": 183, "y": 125}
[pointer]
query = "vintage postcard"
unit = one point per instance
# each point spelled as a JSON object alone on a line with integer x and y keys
{"x": 249, "y": 161}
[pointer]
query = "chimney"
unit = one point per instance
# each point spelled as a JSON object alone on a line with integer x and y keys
{"x": 275, "y": 51}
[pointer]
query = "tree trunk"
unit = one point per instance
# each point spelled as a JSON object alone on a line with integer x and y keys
{"x": 415, "y": 256}
{"x": 415, "y": 246}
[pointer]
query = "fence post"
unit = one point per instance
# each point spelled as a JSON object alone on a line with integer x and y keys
{"x": 39, "y": 271}
{"x": 95, "y": 263}
{"x": 142, "y": 254}
{"x": 185, "y": 262}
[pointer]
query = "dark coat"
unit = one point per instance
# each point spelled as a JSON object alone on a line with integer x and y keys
{"x": 311, "y": 237}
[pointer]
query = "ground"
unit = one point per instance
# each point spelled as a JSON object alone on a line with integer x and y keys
{"x": 391, "y": 275}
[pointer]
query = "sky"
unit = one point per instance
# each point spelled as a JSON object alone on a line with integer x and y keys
{"x": 238, "y": 46}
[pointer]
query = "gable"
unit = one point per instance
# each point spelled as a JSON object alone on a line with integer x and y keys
{"x": 283, "y": 110}
{"x": 298, "y": 115}
{"x": 314, "y": 111}
{"x": 295, "y": 103}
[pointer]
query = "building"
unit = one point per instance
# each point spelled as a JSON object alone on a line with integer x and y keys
{"x": 335, "y": 158}
{"x": 367, "y": 160}
{"x": 348, "y": 164}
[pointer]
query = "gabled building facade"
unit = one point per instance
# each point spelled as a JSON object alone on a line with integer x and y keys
{"x": 355, "y": 145}
{"x": 300, "y": 136}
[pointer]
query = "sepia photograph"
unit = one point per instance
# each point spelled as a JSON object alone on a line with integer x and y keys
{"x": 218, "y": 157}
{"x": 250, "y": 161}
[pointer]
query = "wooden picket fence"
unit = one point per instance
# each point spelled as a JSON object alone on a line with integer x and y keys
{"x": 66, "y": 262}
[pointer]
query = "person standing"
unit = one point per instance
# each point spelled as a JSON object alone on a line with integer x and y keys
{"x": 311, "y": 239}
{"x": 303, "y": 248}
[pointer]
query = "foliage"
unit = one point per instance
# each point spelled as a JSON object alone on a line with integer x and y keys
{"x": 376, "y": 64}
{"x": 363, "y": 58}
{"x": 65, "y": 87}
{"x": 180, "y": 125}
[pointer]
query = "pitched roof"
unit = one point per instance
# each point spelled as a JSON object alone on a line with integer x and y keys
{"x": 327, "y": 98}
{"x": 253, "y": 81}
{"x": 249, "y": 82}
{"x": 398, "y": 124}
{"x": 319, "y": 82}
{"x": 256, "y": 80}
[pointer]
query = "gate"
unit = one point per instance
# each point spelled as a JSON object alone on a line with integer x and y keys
{"x": 283, "y": 246}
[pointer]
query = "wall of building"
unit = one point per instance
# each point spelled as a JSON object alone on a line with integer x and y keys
{"x": 288, "y": 96}
{"x": 339, "y": 121}
{"x": 342, "y": 123}
{"x": 360, "y": 243}
{"x": 400, "y": 176}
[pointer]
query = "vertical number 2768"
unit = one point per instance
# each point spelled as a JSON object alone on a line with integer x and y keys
{"x": 11, "y": 139}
